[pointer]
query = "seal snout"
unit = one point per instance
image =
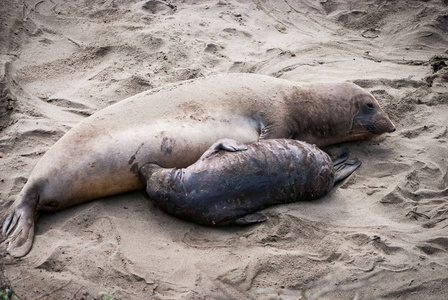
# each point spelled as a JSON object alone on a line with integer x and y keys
{"x": 387, "y": 125}
{"x": 146, "y": 171}
{"x": 392, "y": 129}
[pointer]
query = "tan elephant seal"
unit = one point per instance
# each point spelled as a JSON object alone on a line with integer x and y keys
{"x": 174, "y": 125}
{"x": 229, "y": 187}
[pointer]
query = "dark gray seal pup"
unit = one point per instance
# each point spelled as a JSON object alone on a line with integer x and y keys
{"x": 229, "y": 187}
{"x": 174, "y": 125}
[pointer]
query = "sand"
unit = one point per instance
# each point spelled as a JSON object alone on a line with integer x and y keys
{"x": 381, "y": 234}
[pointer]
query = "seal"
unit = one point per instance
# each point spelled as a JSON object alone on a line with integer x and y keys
{"x": 228, "y": 188}
{"x": 173, "y": 126}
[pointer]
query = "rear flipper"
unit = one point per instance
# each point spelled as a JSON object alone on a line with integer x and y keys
{"x": 345, "y": 169}
{"x": 345, "y": 153}
{"x": 224, "y": 144}
{"x": 18, "y": 230}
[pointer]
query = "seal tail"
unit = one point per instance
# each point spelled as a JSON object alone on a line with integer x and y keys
{"x": 343, "y": 166}
{"x": 18, "y": 226}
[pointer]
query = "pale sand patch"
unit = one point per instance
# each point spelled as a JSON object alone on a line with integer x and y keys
{"x": 380, "y": 234}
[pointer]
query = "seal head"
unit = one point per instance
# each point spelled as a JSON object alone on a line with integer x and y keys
{"x": 335, "y": 113}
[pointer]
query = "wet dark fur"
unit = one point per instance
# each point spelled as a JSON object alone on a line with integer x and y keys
{"x": 227, "y": 187}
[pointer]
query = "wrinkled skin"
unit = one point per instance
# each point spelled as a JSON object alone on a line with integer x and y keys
{"x": 173, "y": 126}
{"x": 232, "y": 181}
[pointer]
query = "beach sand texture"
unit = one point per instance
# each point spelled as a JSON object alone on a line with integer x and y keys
{"x": 381, "y": 234}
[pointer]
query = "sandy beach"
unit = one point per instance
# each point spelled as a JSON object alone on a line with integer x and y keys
{"x": 380, "y": 234}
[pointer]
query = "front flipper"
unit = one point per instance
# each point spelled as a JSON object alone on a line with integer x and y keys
{"x": 251, "y": 219}
{"x": 224, "y": 144}
{"x": 18, "y": 230}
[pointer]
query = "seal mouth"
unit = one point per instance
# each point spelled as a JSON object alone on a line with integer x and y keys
{"x": 364, "y": 130}
{"x": 361, "y": 135}
{"x": 370, "y": 128}
{"x": 382, "y": 127}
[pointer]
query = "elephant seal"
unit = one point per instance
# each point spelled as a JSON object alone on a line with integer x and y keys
{"x": 227, "y": 188}
{"x": 173, "y": 126}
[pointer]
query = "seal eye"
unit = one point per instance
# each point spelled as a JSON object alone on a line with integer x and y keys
{"x": 368, "y": 108}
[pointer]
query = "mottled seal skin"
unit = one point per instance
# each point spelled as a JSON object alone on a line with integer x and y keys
{"x": 174, "y": 125}
{"x": 225, "y": 187}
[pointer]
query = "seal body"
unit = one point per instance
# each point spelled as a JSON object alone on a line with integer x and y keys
{"x": 174, "y": 125}
{"x": 225, "y": 187}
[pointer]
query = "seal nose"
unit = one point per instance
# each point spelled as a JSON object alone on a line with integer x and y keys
{"x": 392, "y": 128}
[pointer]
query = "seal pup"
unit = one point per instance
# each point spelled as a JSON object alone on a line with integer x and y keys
{"x": 228, "y": 188}
{"x": 173, "y": 126}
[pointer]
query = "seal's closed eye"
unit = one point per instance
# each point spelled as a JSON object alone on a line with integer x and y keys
{"x": 368, "y": 108}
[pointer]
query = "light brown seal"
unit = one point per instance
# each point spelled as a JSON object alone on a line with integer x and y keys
{"x": 174, "y": 125}
{"x": 229, "y": 187}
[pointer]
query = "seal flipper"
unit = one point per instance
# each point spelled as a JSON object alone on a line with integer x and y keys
{"x": 251, "y": 219}
{"x": 345, "y": 169}
{"x": 345, "y": 153}
{"x": 18, "y": 229}
{"x": 18, "y": 226}
{"x": 231, "y": 145}
{"x": 223, "y": 144}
